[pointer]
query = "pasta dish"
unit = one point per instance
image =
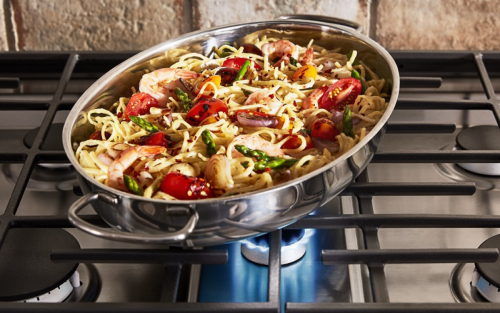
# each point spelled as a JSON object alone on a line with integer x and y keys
{"x": 244, "y": 118}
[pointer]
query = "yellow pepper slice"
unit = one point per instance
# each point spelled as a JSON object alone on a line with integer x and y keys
{"x": 305, "y": 71}
{"x": 216, "y": 79}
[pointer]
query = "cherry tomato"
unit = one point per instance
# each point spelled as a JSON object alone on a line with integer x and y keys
{"x": 249, "y": 48}
{"x": 156, "y": 139}
{"x": 227, "y": 74}
{"x": 305, "y": 71}
{"x": 324, "y": 128}
{"x": 185, "y": 187}
{"x": 343, "y": 92}
{"x": 237, "y": 63}
{"x": 139, "y": 104}
{"x": 294, "y": 142}
{"x": 98, "y": 136}
{"x": 205, "y": 108}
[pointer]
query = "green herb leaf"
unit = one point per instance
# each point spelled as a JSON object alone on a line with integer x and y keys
{"x": 355, "y": 74}
{"x": 132, "y": 185}
{"x": 349, "y": 55}
{"x": 347, "y": 122}
{"x": 225, "y": 53}
{"x": 184, "y": 98}
{"x": 144, "y": 124}
{"x": 246, "y": 92}
{"x": 242, "y": 71}
{"x": 293, "y": 61}
{"x": 206, "y": 137}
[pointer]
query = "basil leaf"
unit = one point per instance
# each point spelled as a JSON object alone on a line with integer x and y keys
{"x": 349, "y": 55}
{"x": 142, "y": 123}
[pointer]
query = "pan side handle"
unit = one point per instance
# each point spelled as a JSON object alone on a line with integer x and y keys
{"x": 322, "y": 18}
{"x": 112, "y": 234}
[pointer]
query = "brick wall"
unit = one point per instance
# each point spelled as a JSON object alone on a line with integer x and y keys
{"x": 139, "y": 24}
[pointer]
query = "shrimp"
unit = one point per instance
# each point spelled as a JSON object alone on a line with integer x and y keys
{"x": 311, "y": 102}
{"x": 281, "y": 48}
{"x": 161, "y": 83}
{"x": 308, "y": 57}
{"x": 255, "y": 142}
{"x": 265, "y": 97}
{"x": 125, "y": 159}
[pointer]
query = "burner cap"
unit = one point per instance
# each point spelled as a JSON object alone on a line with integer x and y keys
{"x": 53, "y": 141}
{"x": 490, "y": 271}
{"x": 25, "y": 265}
{"x": 484, "y": 137}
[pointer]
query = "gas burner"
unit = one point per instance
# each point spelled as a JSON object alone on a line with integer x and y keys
{"x": 29, "y": 275}
{"x": 486, "y": 277}
{"x": 45, "y": 176}
{"x": 293, "y": 247}
{"x": 485, "y": 283}
{"x": 462, "y": 287}
{"x": 458, "y": 173}
{"x": 485, "y": 137}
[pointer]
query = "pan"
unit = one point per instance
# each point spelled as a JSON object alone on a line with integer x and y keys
{"x": 220, "y": 220}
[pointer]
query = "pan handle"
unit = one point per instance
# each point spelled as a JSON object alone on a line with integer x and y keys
{"x": 170, "y": 237}
{"x": 323, "y": 18}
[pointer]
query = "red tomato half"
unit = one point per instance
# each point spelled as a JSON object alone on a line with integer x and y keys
{"x": 295, "y": 141}
{"x": 324, "y": 128}
{"x": 156, "y": 139}
{"x": 237, "y": 63}
{"x": 139, "y": 104}
{"x": 185, "y": 187}
{"x": 205, "y": 108}
{"x": 344, "y": 91}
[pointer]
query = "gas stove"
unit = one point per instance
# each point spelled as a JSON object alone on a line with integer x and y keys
{"x": 415, "y": 232}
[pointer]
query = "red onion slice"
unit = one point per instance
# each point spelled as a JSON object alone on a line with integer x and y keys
{"x": 337, "y": 117}
{"x": 321, "y": 144}
{"x": 250, "y": 120}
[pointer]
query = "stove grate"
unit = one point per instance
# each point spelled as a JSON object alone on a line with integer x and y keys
{"x": 417, "y": 65}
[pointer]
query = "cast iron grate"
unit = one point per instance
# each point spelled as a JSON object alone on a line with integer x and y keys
{"x": 64, "y": 66}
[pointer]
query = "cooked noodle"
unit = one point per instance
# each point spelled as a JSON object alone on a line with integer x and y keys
{"x": 118, "y": 134}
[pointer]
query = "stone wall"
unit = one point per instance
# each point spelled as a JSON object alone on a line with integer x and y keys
{"x": 33, "y": 25}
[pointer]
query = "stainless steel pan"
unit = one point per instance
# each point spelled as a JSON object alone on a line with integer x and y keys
{"x": 217, "y": 221}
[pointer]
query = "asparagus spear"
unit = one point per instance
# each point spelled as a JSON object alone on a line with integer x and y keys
{"x": 263, "y": 160}
{"x": 144, "y": 124}
{"x": 242, "y": 71}
{"x": 184, "y": 98}
{"x": 355, "y": 74}
{"x": 347, "y": 122}
{"x": 132, "y": 185}
{"x": 206, "y": 136}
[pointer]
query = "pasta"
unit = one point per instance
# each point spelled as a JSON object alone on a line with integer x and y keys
{"x": 245, "y": 119}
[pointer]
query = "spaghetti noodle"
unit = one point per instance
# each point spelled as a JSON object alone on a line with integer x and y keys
{"x": 246, "y": 119}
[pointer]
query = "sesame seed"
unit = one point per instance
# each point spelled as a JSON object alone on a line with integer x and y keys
{"x": 203, "y": 193}
{"x": 190, "y": 193}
